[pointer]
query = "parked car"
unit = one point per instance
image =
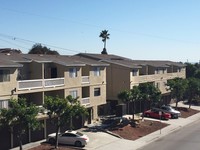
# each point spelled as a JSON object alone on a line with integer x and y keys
{"x": 154, "y": 113}
{"x": 174, "y": 113}
{"x": 69, "y": 137}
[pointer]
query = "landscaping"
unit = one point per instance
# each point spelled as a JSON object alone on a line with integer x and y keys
{"x": 128, "y": 132}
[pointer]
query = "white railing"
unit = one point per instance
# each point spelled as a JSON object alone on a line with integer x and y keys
{"x": 156, "y": 77}
{"x": 85, "y": 79}
{"x": 54, "y": 82}
{"x": 85, "y": 101}
{"x": 40, "y": 83}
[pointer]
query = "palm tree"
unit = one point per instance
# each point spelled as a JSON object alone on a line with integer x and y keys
{"x": 104, "y": 35}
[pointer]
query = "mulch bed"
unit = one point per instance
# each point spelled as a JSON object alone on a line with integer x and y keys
{"x": 146, "y": 127}
{"x": 187, "y": 112}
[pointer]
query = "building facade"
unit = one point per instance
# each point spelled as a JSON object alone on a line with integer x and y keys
{"x": 124, "y": 73}
{"x": 35, "y": 76}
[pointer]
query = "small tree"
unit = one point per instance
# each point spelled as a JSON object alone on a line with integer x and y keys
{"x": 20, "y": 114}
{"x": 125, "y": 96}
{"x": 62, "y": 110}
{"x": 177, "y": 86}
{"x": 148, "y": 92}
{"x": 192, "y": 90}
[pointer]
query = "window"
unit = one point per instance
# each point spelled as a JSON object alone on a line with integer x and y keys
{"x": 4, "y": 75}
{"x": 74, "y": 93}
{"x": 179, "y": 70}
{"x": 134, "y": 72}
{"x": 72, "y": 72}
{"x": 3, "y": 104}
{"x": 97, "y": 92}
{"x": 96, "y": 71}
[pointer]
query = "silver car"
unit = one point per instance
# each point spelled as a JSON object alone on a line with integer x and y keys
{"x": 69, "y": 137}
{"x": 174, "y": 113}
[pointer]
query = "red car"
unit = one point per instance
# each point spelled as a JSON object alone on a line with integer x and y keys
{"x": 155, "y": 114}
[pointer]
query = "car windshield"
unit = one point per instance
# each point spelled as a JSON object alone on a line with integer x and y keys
{"x": 78, "y": 133}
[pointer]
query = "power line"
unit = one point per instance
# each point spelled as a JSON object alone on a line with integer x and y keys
{"x": 34, "y": 42}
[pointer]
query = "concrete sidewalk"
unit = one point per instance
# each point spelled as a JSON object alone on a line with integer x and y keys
{"x": 104, "y": 141}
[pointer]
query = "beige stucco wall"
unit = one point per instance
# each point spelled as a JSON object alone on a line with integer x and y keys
{"x": 118, "y": 79}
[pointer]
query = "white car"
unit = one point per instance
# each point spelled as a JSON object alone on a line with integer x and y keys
{"x": 69, "y": 137}
{"x": 174, "y": 113}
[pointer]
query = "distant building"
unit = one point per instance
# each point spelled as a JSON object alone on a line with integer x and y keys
{"x": 9, "y": 50}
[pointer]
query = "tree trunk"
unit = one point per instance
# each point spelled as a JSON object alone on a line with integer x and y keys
{"x": 144, "y": 109}
{"x": 57, "y": 130}
{"x": 176, "y": 104}
{"x": 133, "y": 111}
{"x": 20, "y": 141}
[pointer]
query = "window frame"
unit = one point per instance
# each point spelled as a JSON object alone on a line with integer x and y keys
{"x": 97, "y": 91}
{"x": 4, "y": 75}
{"x": 97, "y": 71}
{"x": 73, "y": 72}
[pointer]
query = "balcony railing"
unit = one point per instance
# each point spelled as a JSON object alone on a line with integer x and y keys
{"x": 85, "y": 101}
{"x": 40, "y": 83}
{"x": 85, "y": 79}
{"x": 156, "y": 77}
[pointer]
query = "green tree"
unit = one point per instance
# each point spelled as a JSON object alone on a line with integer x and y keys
{"x": 177, "y": 86}
{"x": 20, "y": 114}
{"x": 125, "y": 96}
{"x": 148, "y": 92}
{"x": 39, "y": 49}
{"x": 104, "y": 35}
{"x": 135, "y": 92}
{"x": 192, "y": 90}
{"x": 61, "y": 111}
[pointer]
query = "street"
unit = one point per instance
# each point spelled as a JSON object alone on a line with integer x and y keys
{"x": 187, "y": 138}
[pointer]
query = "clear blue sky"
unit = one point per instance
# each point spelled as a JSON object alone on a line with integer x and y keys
{"x": 139, "y": 29}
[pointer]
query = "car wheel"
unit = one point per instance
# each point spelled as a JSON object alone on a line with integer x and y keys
{"x": 147, "y": 115}
{"x": 163, "y": 118}
{"x": 52, "y": 141}
{"x": 78, "y": 144}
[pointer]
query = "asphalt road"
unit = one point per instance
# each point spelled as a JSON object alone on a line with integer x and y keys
{"x": 187, "y": 138}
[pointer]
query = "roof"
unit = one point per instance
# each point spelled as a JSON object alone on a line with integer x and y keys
{"x": 14, "y": 60}
{"x": 127, "y": 62}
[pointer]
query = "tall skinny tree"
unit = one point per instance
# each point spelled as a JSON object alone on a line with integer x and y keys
{"x": 20, "y": 114}
{"x": 104, "y": 35}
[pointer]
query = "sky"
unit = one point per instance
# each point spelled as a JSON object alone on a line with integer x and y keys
{"x": 139, "y": 29}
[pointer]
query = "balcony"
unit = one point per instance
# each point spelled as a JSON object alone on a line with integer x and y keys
{"x": 85, "y": 101}
{"x": 40, "y": 83}
{"x": 85, "y": 80}
{"x": 157, "y": 77}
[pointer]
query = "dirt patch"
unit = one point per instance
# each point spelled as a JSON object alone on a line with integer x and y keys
{"x": 145, "y": 127}
{"x": 187, "y": 112}
{"x": 47, "y": 146}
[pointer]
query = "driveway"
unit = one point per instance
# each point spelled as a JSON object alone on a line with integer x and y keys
{"x": 98, "y": 139}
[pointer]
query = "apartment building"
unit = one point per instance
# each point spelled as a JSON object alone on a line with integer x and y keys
{"x": 124, "y": 73}
{"x": 33, "y": 76}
